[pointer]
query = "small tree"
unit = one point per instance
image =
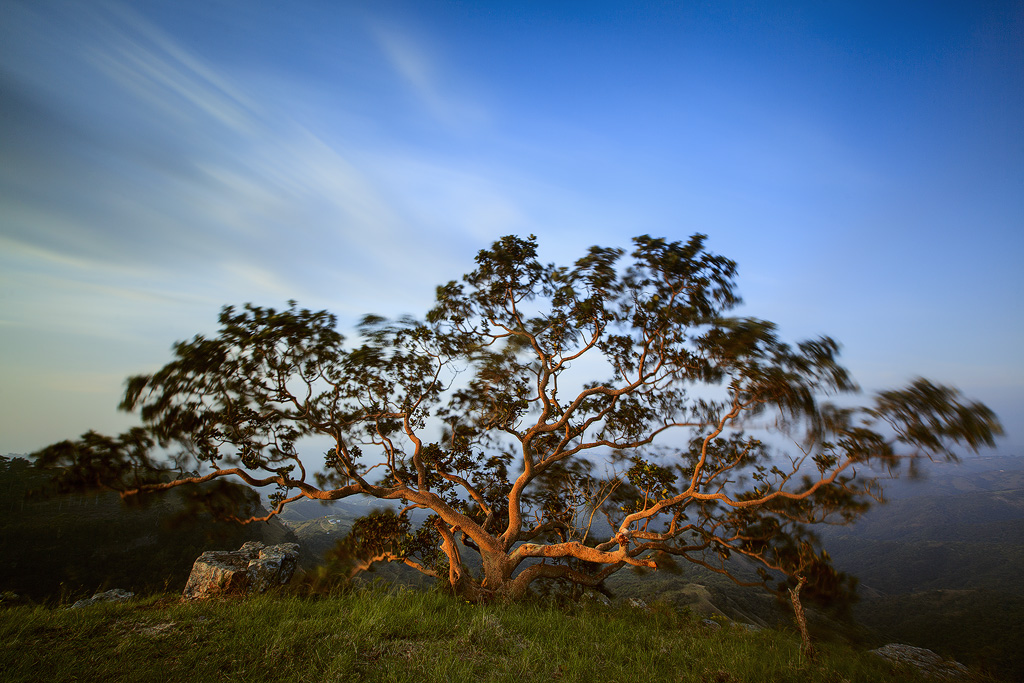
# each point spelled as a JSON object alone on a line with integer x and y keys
{"x": 531, "y": 401}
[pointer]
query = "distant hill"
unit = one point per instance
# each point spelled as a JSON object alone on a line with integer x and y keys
{"x": 349, "y": 508}
{"x": 957, "y": 528}
{"x": 73, "y": 545}
{"x": 319, "y": 535}
{"x": 941, "y": 565}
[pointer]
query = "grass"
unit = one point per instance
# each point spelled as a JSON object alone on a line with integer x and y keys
{"x": 400, "y": 635}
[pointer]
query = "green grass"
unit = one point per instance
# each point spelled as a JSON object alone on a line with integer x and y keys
{"x": 400, "y": 635}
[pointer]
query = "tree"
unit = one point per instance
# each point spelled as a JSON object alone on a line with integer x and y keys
{"x": 532, "y": 401}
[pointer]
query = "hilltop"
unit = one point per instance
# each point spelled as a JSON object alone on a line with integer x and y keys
{"x": 414, "y": 636}
{"x": 940, "y": 564}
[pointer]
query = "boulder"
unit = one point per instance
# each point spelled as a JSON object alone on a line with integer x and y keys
{"x": 925, "y": 661}
{"x": 112, "y": 595}
{"x": 253, "y": 568}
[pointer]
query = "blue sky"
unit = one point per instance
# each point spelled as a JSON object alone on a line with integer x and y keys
{"x": 863, "y": 162}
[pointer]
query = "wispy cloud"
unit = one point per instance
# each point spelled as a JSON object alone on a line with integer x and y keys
{"x": 411, "y": 62}
{"x": 177, "y": 173}
{"x": 188, "y": 171}
{"x": 149, "y": 62}
{"x": 170, "y": 86}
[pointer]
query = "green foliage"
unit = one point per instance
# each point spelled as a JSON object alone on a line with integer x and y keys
{"x": 480, "y": 414}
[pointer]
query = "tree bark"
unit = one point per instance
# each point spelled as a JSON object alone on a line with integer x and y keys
{"x": 801, "y": 619}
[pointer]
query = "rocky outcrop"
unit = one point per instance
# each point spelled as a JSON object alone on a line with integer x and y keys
{"x": 112, "y": 595}
{"x": 253, "y": 568}
{"x": 926, "y": 661}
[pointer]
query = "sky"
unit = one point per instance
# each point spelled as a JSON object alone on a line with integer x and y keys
{"x": 863, "y": 162}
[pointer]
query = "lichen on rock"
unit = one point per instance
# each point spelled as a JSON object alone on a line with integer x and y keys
{"x": 112, "y": 595}
{"x": 926, "y": 661}
{"x": 253, "y": 568}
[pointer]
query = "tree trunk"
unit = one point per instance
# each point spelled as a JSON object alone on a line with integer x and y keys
{"x": 801, "y": 619}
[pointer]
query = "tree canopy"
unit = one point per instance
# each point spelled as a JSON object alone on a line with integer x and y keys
{"x": 558, "y": 422}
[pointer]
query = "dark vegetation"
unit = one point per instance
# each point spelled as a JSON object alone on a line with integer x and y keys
{"x": 73, "y": 545}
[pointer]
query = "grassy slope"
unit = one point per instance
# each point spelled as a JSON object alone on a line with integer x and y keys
{"x": 373, "y": 635}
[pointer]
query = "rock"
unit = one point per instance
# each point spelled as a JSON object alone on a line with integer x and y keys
{"x": 711, "y": 624}
{"x": 753, "y": 628}
{"x": 926, "y": 661}
{"x": 273, "y": 567}
{"x": 112, "y": 595}
{"x": 253, "y": 568}
{"x": 637, "y": 603}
